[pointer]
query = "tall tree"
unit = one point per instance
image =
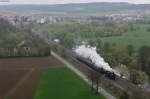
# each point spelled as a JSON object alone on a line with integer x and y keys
{"x": 143, "y": 56}
{"x": 107, "y": 47}
{"x": 130, "y": 49}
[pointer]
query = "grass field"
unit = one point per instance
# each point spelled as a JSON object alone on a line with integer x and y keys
{"x": 61, "y": 83}
{"x": 137, "y": 38}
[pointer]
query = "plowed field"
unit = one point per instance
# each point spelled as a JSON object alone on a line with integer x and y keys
{"x": 19, "y": 77}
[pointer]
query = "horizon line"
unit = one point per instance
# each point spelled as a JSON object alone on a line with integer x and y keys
{"x": 2, "y": 3}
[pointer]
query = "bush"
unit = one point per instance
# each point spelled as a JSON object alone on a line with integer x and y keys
{"x": 138, "y": 77}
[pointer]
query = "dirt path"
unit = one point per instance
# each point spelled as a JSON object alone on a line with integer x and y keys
{"x": 28, "y": 87}
{"x": 19, "y": 83}
{"x": 8, "y": 78}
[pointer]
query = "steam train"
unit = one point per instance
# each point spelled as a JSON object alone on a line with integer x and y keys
{"x": 109, "y": 74}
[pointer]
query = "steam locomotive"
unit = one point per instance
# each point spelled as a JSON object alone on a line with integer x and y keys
{"x": 109, "y": 74}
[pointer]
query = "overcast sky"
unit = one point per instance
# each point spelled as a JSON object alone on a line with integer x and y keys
{"x": 69, "y": 1}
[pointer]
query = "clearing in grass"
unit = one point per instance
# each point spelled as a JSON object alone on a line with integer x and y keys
{"x": 61, "y": 83}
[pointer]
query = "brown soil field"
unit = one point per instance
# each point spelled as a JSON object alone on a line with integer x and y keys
{"x": 23, "y": 63}
{"x": 28, "y": 87}
{"x": 8, "y": 79}
{"x": 19, "y": 77}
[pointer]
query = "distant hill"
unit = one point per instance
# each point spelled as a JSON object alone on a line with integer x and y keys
{"x": 74, "y": 8}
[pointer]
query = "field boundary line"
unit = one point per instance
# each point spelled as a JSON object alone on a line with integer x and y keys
{"x": 80, "y": 74}
{"x": 19, "y": 83}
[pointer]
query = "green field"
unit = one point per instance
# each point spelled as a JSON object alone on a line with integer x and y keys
{"x": 137, "y": 38}
{"x": 61, "y": 83}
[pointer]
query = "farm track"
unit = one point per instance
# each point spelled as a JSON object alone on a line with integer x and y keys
{"x": 19, "y": 77}
{"x": 19, "y": 83}
{"x": 8, "y": 79}
{"x": 28, "y": 86}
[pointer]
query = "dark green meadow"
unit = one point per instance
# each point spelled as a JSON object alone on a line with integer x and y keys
{"x": 61, "y": 83}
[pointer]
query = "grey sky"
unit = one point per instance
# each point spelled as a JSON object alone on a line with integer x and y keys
{"x": 70, "y": 1}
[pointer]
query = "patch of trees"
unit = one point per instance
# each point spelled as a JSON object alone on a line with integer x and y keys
{"x": 5, "y": 28}
{"x": 92, "y": 30}
{"x": 144, "y": 58}
{"x": 137, "y": 76}
{"x": 148, "y": 29}
{"x": 16, "y": 42}
{"x": 26, "y": 48}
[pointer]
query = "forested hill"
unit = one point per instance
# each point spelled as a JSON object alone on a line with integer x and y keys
{"x": 75, "y": 8}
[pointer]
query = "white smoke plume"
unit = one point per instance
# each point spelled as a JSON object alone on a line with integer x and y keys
{"x": 56, "y": 40}
{"x": 90, "y": 53}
